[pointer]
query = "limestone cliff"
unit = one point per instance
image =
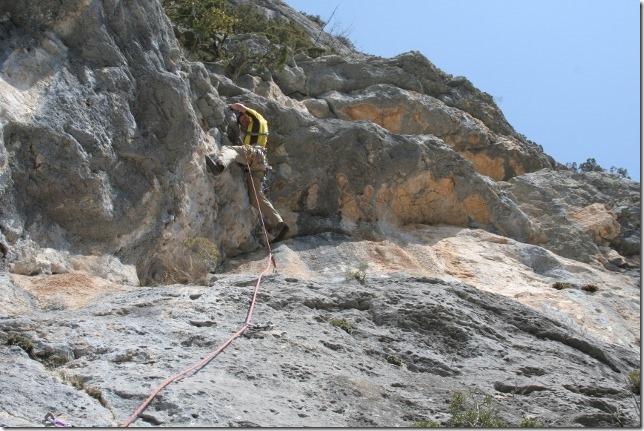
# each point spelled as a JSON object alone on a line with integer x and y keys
{"x": 104, "y": 127}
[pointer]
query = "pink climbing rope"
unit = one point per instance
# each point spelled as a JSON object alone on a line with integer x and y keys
{"x": 49, "y": 417}
{"x": 237, "y": 334}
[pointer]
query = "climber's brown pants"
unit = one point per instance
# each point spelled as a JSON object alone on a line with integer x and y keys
{"x": 255, "y": 158}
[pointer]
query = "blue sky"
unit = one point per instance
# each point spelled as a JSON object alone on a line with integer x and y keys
{"x": 565, "y": 73}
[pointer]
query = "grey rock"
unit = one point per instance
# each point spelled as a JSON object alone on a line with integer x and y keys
{"x": 103, "y": 189}
{"x": 412, "y": 342}
{"x": 550, "y": 198}
{"x": 125, "y": 175}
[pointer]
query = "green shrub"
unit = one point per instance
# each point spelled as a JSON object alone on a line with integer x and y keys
{"x": 23, "y": 342}
{"x": 473, "y": 409}
{"x": 620, "y": 172}
{"x": 202, "y": 25}
{"x": 342, "y": 324}
{"x": 395, "y": 360}
{"x": 359, "y": 274}
{"x": 315, "y": 18}
{"x": 79, "y": 383}
{"x": 591, "y": 165}
{"x": 284, "y": 37}
{"x": 589, "y": 288}
{"x": 204, "y": 28}
{"x": 315, "y": 51}
{"x": 74, "y": 380}
{"x": 346, "y": 42}
{"x": 203, "y": 249}
{"x": 94, "y": 393}
{"x": 634, "y": 381}
{"x": 527, "y": 422}
{"x": 559, "y": 285}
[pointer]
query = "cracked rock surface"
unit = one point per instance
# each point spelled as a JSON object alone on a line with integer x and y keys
{"x": 409, "y": 340}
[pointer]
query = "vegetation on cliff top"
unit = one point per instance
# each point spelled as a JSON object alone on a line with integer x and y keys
{"x": 591, "y": 165}
{"x": 206, "y": 29}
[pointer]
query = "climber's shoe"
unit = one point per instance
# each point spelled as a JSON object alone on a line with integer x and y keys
{"x": 215, "y": 168}
{"x": 281, "y": 229}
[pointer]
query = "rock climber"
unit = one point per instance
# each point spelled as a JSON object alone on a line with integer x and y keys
{"x": 251, "y": 156}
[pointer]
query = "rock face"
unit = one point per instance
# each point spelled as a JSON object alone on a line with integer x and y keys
{"x": 103, "y": 145}
{"x": 104, "y": 189}
{"x": 89, "y": 152}
{"x": 581, "y": 215}
{"x": 408, "y": 95}
{"x": 405, "y": 341}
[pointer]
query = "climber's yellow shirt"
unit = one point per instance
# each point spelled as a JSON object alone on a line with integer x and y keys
{"x": 256, "y": 132}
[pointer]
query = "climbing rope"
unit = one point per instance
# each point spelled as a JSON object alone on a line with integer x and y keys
{"x": 51, "y": 420}
{"x": 246, "y": 325}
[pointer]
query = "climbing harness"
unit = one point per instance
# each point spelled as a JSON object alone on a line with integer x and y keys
{"x": 247, "y": 323}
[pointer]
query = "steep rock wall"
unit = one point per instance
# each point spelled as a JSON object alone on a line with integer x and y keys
{"x": 105, "y": 127}
{"x": 104, "y": 141}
